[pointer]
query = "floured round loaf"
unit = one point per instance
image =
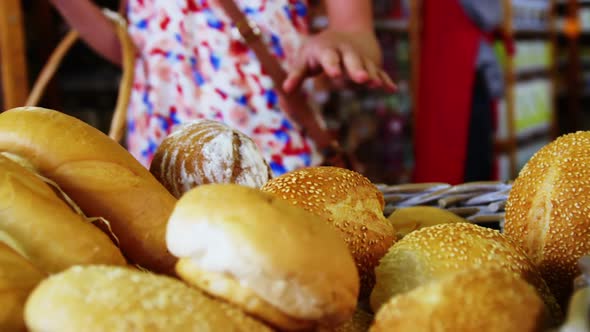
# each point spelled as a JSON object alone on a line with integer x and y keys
{"x": 108, "y": 298}
{"x": 488, "y": 299}
{"x": 206, "y": 151}
{"x": 548, "y": 210}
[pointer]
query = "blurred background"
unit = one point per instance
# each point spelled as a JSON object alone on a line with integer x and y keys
{"x": 480, "y": 87}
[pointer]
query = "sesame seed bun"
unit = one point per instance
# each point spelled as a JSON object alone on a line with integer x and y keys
{"x": 437, "y": 251}
{"x": 488, "y": 299}
{"x": 206, "y": 151}
{"x": 277, "y": 254}
{"x": 548, "y": 207}
{"x": 350, "y": 203}
{"x": 107, "y": 298}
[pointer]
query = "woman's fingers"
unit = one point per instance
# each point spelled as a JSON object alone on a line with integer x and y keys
{"x": 354, "y": 66}
{"x": 295, "y": 77}
{"x": 329, "y": 59}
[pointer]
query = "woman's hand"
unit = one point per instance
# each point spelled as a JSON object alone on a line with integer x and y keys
{"x": 343, "y": 56}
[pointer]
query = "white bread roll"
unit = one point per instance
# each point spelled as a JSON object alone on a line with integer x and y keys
{"x": 108, "y": 298}
{"x": 18, "y": 277}
{"x": 547, "y": 211}
{"x": 435, "y": 252}
{"x": 47, "y": 230}
{"x": 99, "y": 175}
{"x": 348, "y": 201}
{"x": 274, "y": 260}
{"x": 207, "y": 151}
{"x": 488, "y": 299}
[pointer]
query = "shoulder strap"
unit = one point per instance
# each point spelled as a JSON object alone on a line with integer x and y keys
{"x": 294, "y": 104}
{"x": 251, "y": 35}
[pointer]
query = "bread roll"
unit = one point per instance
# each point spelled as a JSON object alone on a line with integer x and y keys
{"x": 18, "y": 277}
{"x": 276, "y": 261}
{"x": 108, "y": 298}
{"x": 437, "y": 251}
{"x": 360, "y": 322}
{"x": 547, "y": 210}
{"x": 349, "y": 202}
{"x": 99, "y": 175}
{"x": 488, "y": 299}
{"x": 412, "y": 218}
{"x": 207, "y": 151}
{"x": 46, "y": 229}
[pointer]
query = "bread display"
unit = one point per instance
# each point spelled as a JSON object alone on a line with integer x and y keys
{"x": 412, "y": 218}
{"x": 274, "y": 260}
{"x": 349, "y": 202}
{"x": 360, "y": 322}
{"x": 547, "y": 210}
{"x": 18, "y": 277}
{"x": 99, "y": 175}
{"x": 435, "y": 252}
{"x": 488, "y": 299}
{"x": 207, "y": 151}
{"x": 107, "y": 298}
{"x": 47, "y": 230}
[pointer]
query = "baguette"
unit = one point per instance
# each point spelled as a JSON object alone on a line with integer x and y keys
{"x": 46, "y": 229}
{"x": 99, "y": 175}
{"x": 18, "y": 277}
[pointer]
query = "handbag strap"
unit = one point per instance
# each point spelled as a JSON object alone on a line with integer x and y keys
{"x": 295, "y": 105}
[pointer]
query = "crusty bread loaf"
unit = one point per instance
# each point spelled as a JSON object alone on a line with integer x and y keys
{"x": 437, "y": 251}
{"x": 349, "y": 202}
{"x": 488, "y": 299}
{"x": 207, "y": 151}
{"x": 108, "y": 298}
{"x": 547, "y": 210}
{"x": 47, "y": 230}
{"x": 18, "y": 277}
{"x": 279, "y": 254}
{"x": 360, "y": 322}
{"x": 99, "y": 175}
{"x": 408, "y": 219}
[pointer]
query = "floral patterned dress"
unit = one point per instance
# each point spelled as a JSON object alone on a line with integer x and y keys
{"x": 191, "y": 65}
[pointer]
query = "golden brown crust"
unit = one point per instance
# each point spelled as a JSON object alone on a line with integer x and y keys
{"x": 18, "y": 277}
{"x": 360, "y": 322}
{"x": 99, "y": 175}
{"x": 206, "y": 151}
{"x": 107, "y": 298}
{"x": 46, "y": 229}
{"x": 408, "y": 219}
{"x": 349, "y": 202}
{"x": 227, "y": 288}
{"x": 284, "y": 254}
{"x": 547, "y": 210}
{"x": 437, "y": 251}
{"x": 471, "y": 300}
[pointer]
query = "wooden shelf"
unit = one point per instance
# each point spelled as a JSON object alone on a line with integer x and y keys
{"x": 528, "y": 74}
{"x": 393, "y": 25}
{"x": 531, "y": 34}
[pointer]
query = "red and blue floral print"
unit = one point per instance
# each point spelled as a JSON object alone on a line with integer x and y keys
{"x": 191, "y": 66}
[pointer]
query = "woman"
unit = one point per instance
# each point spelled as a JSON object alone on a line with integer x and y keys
{"x": 190, "y": 65}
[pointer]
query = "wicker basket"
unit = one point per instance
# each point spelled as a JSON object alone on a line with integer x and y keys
{"x": 478, "y": 202}
{"x": 118, "y": 122}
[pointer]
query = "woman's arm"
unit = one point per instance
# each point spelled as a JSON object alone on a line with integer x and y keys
{"x": 348, "y": 49}
{"x": 94, "y": 27}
